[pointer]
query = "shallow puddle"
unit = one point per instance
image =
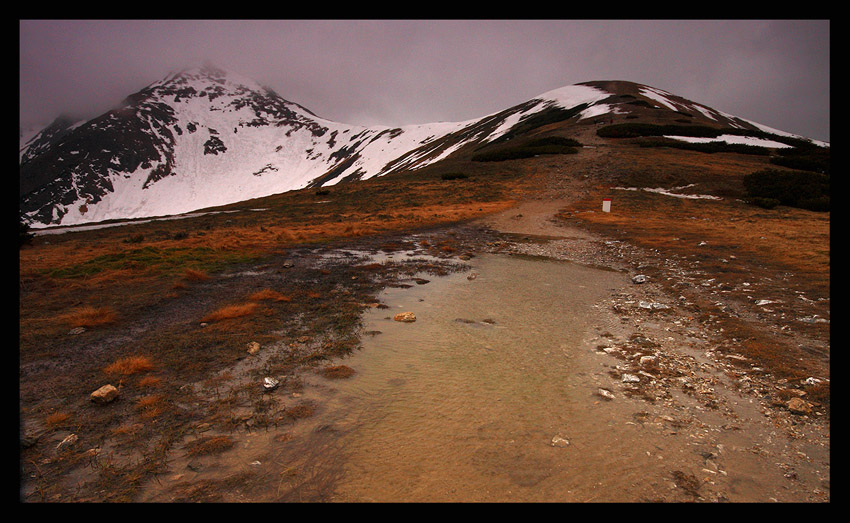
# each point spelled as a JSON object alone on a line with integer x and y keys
{"x": 486, "y": 396}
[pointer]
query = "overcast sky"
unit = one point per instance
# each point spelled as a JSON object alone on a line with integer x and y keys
{"x": 397, "y": 72}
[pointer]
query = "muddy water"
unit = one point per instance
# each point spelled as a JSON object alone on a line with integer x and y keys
{"x": 488, "y": 396}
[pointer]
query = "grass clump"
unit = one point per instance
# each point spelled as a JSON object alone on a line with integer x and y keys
{"x": 231, "y": 311}
{"x": 129, "y": 365}
{"x": 209, "y": 445}
{"x": 337, "y": 372}
{"x": 88, "y": 316}
{"x": 270, "y": 295}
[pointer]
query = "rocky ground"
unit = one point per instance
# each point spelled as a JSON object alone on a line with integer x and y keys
{"x": 760, "y": 437}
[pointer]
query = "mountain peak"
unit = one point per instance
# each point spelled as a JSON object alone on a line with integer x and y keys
{"x": 203, "y": 136}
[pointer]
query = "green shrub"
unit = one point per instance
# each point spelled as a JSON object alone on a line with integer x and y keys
{"x": 764, "y": 203}
{"x": 707, "y": 147}
{"x": 453, "y": 176}
{"x": 634, "y": 130}
{"x": 802, "y": 189}
{"x": 805, "y": 157}
{"x": 548, "y": 145}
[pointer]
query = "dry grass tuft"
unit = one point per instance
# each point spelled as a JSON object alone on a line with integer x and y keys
{"x": 230, "y": 311}
{"x": 88, "y": 316}
{"x": 300, "y": 411}
{"x": 208, "y": 445}
{"x": 195, "y": 275}
{"x": 269, "y": 294}
{"x": 150, "y": 381}
{"x": 336, "y": 372}
{"x": 130, "y": 365}
{"x": 57, "y": 419}
{"x": 150, "y": 406}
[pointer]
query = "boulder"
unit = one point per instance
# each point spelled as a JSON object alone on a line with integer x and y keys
{"x": 104, "y": 395}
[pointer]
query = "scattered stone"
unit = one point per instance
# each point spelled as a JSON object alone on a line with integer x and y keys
{"x": 605, "y": 393}
{"x": 270, "y": 383}
{"x": 77, "y": 330}
{"x": 472, "y": 276}
{"x": 639, "y": 278}
{"x": 630, "y": 378}
{"x": 646, "y": 359}
{"x": 653, "y": 306}
{"x": 67, "y": 442}
{"x": 406, "y": 317}
{"x": 799, "y": 406}
{"x": 104, "y": 395}
{"x": 253, "y": 348}
{"x": 560, "y": 441}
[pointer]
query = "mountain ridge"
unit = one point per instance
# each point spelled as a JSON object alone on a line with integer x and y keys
{"x": 203, "y": 137}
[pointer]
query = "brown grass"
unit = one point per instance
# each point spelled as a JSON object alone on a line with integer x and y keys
{"x": 336, "y": 372}
{"x": 230, "y": 312}
{"x": 57, "y": 419}
{"x": 195, "y": 275}
{"x": 88, "y": 316}
{"x": 150, "y": 406}
{"x": 150, "y": 381}
{"x": 129, "y": 366}
{"x": 208, "y": 445}
{"x": 269, "y": 294}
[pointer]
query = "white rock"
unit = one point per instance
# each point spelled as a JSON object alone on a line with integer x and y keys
{"x": 560, "y": 441}
{"x": 605, "y": 393}
{"x": 68, "y": 441}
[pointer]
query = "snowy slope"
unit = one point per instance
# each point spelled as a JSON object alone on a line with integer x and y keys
{"x": 203, "y": 137}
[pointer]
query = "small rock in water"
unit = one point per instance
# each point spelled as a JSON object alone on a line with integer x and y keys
{"x": 560, "y": 441}
{"x": 639, "y": 278}
{"x": 270, "y": 383}
{"x": 406, "y": 317}
{"x": 605, "y": 393}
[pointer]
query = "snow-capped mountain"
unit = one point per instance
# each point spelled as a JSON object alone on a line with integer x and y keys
{"x": 203, "y": 137}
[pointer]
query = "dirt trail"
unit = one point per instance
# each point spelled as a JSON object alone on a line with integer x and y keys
{"x": 706, "y": 417}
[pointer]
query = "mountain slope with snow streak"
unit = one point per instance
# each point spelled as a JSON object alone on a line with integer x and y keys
{"x": 203, "y": 137}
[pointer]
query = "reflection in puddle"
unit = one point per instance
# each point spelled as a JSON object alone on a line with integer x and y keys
{"x": 463, "y": 403}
